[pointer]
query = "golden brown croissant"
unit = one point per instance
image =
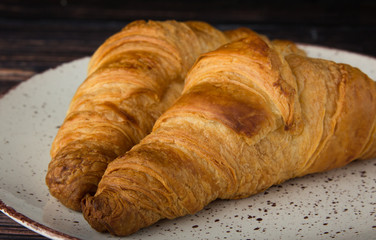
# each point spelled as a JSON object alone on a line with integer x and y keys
{"x": 252, "y": 114}
{"x": 132, "y": 78}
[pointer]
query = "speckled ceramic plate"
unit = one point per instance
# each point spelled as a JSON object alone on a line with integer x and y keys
{"x": 336, "y": 204}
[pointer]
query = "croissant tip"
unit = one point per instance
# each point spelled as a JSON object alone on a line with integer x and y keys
{"x": 70, "y": 195}
{"x": 90, "y": 212}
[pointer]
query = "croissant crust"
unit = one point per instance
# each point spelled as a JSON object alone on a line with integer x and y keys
{"x": 133, "y": 77}
{"x": 253, "y": 113}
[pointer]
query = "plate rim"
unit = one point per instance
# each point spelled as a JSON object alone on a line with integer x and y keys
{"x": 33, "y": 225}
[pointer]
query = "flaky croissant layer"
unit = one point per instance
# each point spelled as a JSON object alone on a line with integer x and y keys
{"x": 252, "y": 114}
{"x": 133, "y": 78}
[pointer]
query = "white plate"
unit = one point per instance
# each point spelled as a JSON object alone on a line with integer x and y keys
{"x": 339, "y": 203}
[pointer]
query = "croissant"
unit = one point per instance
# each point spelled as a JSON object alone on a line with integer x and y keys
{"x": 252, "y": 114}
{"x": 132, "y": 79}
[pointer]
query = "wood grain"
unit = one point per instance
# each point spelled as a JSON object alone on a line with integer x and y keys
{"x": 9, "y": 229}
{"x": 214, "y": 11}
{"x": 42, "y": 34}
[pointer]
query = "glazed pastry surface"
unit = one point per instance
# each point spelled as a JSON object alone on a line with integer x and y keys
{"x": 133, "y": 77}
{"x": 252, "y": 114}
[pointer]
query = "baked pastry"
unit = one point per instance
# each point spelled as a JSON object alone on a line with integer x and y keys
{"x": 252, "y": 114}
{"x": 132, "y": 79}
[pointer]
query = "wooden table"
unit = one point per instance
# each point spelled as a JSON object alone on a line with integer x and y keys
{"x": 42, "y": 34}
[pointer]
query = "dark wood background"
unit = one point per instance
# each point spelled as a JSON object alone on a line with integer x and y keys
{"x": 41, "y": 34}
